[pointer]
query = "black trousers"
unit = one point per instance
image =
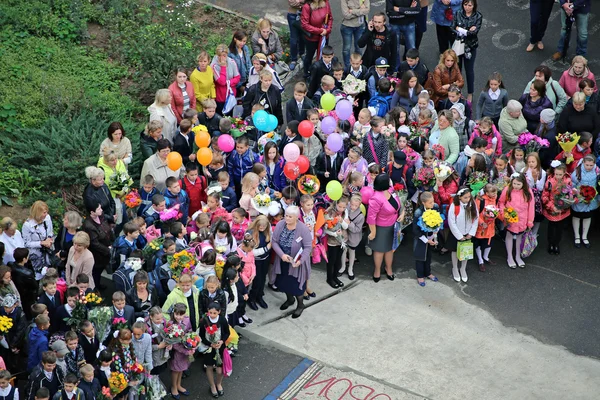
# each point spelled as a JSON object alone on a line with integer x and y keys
{"x": 258, "y": 284}
{"x": 445, "y": 37}
{"x": 424, "y": 267}
{"x": 334, "y": 263}
{"x": 555, "y": 229}
{"x": 311, "y": 49}
{"x": 539, "y": 13}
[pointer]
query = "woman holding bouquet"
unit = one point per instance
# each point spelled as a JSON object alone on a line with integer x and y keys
{"x": 585, "y": 180}
{"x": 557, "y": 198}
{"x": 214, "y": 332}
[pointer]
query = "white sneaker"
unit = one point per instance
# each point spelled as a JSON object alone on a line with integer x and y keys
{"x": 368, "y": 250}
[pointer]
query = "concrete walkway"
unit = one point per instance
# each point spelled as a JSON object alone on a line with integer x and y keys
{"x": 428, "y": 343}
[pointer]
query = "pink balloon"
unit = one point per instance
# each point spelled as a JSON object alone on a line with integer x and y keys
{"x": 335, "y": 142}
{"x": 328, "y": 125}
{"x": 366, "y": 192}
{"x": 343, "y": 109}
{"x": 226, "y": 143}
{"x": 291, "y": 152}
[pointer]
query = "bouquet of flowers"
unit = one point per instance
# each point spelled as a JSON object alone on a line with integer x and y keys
{"x": 411, "y": 156}
{"x": 155, "y": 389}
{"x": 239, "y": 127}
{"x": 174, "y": 333}
{"x": 532, "y": 143}
{"x": 120, "y": 182}
{"x": 182, "y": 262}
{"x": 264, "y": 139}
{"x": 219, "y": 264}
{"x": 117, "y": 382}
{"x": 6, "y": 324}
{"x": 104, "y": 394}
{"x": 566, "y": 197}
{"x": 441, "y": 170}
{"x": 476, "y": 181}
{"x": 587, "y": 193}
{"x": 93, "y": 300}
{"x": 262, "y": 200}
{"x": 101, "y": 317}
{"x": 353, "y": 86}
{"x": 199, "y": 128}
{"x": 567, "y": 141}
{"x": 152, "y": 233}
{"x": 191, "y": 341}
{"x": 431, "y": 221}
{"x": 137, "y": 371}
{"x": 214, "y": 335}
{"x": 359, "y": 132}
{"x": 119, "y": 323}
{"x": 395, "y": 82}
{"x": 510, "y": 215}
{"x": 439, "y": 151}
{"x": 425, "y": 177}
{"x": 133, "y": 199}
{"x": 79, "y": 313}
{"x": 490, "y": 213}
{"x": 152, "y": 247}
{"x": 308, "y": 184}
{"x": 170, "y": 214}
{"x": 400, "y": 190}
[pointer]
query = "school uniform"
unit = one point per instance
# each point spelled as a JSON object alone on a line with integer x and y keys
{"x": 128, "y": 313}
{"x": 286, "y": 140}
{"x": 58, "y": 323}
{"x": 184, "y": 145}
{"x": 317, "y": 71}
{"x": 296, "y": 111}
{"x": 52, "y": 303}
{"x": 326, "y": 163}
{"x": 90, "y": 347}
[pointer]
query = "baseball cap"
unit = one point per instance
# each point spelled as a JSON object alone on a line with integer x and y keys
{"x": 60, "y": 347}
{"x": 381, "y": 62}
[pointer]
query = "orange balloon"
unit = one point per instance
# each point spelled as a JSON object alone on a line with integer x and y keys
{"x": 204, "y": 156}
{"x": 174, "y": 161}
{"x": 202, "y": 139}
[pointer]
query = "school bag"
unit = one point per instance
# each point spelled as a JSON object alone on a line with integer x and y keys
{"x": 381, "y": 104}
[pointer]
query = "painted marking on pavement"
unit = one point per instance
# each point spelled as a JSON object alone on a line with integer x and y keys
{"x": 496, "y": 39}
{"x": 289, "y": 379}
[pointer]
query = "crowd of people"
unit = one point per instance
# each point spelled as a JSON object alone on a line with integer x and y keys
{"x": 240, "y": 192}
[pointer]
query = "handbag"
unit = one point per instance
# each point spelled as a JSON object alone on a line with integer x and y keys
{"x": 398, "y": 235}
{"x": 281, "y": 68}
{"x": 464, "y": 250}
{"x": 528, "y": 244}
{"x": 459, "y": 47}
{"x": 230, "y": 100}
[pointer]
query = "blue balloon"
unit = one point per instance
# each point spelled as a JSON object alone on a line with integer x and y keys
{"x": 272, "y": 124}
{"x": 261, "y": 120}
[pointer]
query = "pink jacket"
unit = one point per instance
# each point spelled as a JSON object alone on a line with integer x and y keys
{"x": 177, "y": 98}
{"x": 380, "y": 211}
{"x": 525, "y": 210}
{"x": 489, "y": 137}
{"x": 221, "y": 74}
{"x": 249, "y": 271}
{"x": 570, "y": 82}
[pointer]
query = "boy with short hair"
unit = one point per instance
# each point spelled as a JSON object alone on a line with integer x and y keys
{"x": 88, "y": 341}
{"x": 239, "y": 163}
{"x": 82, "y": 281}
{"x": 289, "y": 194}
{"x": 413, "y": 63}
{"x": 209, "y": 117}
{"x": 126, "y": 243}
{"x": 381, "y": 103}
{"x": 141, "y": 241}
{"x": 152, "y": 213}
{"x": 195, "y": 186}
{"x": 291, "y": 134}
{"x": 50, "y": 297}
{"x": 174, "y": 195}
{"x": 327, "y": 86}
{"x": 356, "y": 67}
{"x": 146, "y": 192}
{"x": 74, "y": 358}
{"x": 338, "y": 75}
{"x": 295, "y": 108}
{"x": 38, "y": 341}
{"x": 89, "y": 384}
{"x": 64, "y": 311}
{"x": 70, "y": 390}
{"x": 183, "y": 142}
{"x": 120, "y": 309}
{"x": 42, "y": 394}
{"x": 192, "y": 115}
{"x": 321, "y": 68}
{"x": 228, "y": 196}
{"x": 224, "y": 127}
{"x": 45, "y": 375}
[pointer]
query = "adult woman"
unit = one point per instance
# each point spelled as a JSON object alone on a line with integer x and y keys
{"x": 533, "y": 104}
{"x": 265, "y": 40}
{"x": 539, "y": 13}
{"x": 161, "y": 110}
{"x": 38, "y": 237}
{"x": 80, "y": 260}
{"x": 64, "y": 239}
{"x": 182, "y": 94}
{"x": 547, "y": 130}
{"x": 579, "y": 117}
{"x": 118, "y": 181}
{"x": 569, "y": 80}
{"x": 511, "y": 125}
{"x": 117, "y": 143}
{"x": 296, "y": 39}
{"x": 97, "y": 191}
{"x": 385, "y": 208}
{"x": 316, "y": 21}
{"x": 149, "y": 137}
{"x": 239, "y": 52}
{"x": 292, "y": 242}
{"x": 266, "y": 94}
{"x": 354, "y": 13}
{"x": 446, "y": 73}
{"x": 156, "y": 165}
{"x": 23, "y": 277}
{"x": 442, "y": 14}
{"x": 141, "y": 296}
{"x": 203, "y": 81}
{"x": 443, "y": 133}
{"x": 101, "y": 238}
{"x": 556, "y": 94}
{"x": 11, "y": 237}
{"x": 259, "y": 63}
{"x": 7, "y": 286}
{"x": 407, "y": 93}
{"x": 466, "y": 26}
{"x": 226, "y": 75}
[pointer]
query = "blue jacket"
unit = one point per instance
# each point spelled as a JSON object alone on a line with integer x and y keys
{"x": 588, "y": 179}
{"x": 90, "y": 389}
{"x": 141, "y": 242}
{"x": 182, "y": 199}
{"x": 243, "y": 63}
{"x": 277, "y": 180}
{"x": 580, "y": 6}
{"x": 240, "y": 165}
{"x": 146, "y": 199}
{"x": 229, "y": 199}
{"x": 38, "y": 343}
{"x": 438, "y": 11}
{"x": 123, "y": 248}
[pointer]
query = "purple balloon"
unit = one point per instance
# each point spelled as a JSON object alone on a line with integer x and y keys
{"x": 335, "y": 142}
{"x": 343, "y": 109}
{"x": 328, "y": 125}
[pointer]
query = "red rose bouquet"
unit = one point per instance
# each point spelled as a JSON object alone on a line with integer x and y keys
{"x": 424, "y": 178}
{"x": 587, "y": 193}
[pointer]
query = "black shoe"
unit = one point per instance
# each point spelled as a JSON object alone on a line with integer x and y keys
{"x": 556, "y": 250}
{"x": 578, "y": 243}
{"x": 391, "y": 277}
{"x": 241, "y": 324}
{"x": 286, "y": 305}
{"x": 247, "y": 320}
{"x": 339, "y": 283}
{"x": 220, "y": 392}
{"x": 351, "y": 277}
{"x": 306, "y": 297}
{"x": 252, "y": 305}
{"x": 376, "y": 279}
{"x": 262, "y": 304}
{"x": 586, "y": 243}
{"x": 297, "y": 312}
{"x": 333, "y": 284}
{"x": 338, "y": 274}
{"x": 550, "y": 249}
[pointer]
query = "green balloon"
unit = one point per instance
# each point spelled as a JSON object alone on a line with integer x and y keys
{"x": 334, "y": 190}
{"x": 328, "y": 102}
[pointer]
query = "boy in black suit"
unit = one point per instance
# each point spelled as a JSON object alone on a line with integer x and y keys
{"x": 183, "y": 142}
{"x": 65, "y": 310}
{"x": 321, "y": 68}
{"x": 338, "y": 76}
{"x": 51, "y": 298}
{"x": 122, "y": 310}
{"x": 295, "y": 109}
{"x": 291, "y": 135}
{"x": 327, "y": 167}
{"x": 413, "y": 63}
{"x": 88, "y": 341}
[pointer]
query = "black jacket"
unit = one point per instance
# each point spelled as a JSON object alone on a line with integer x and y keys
{"x": 291, "y": 109}
{"x": 271, "y": 102}
{"x": 90, "y": 389}
{"x": 134, "y": 301}
{"x": 286, "y": 140}
{"x": 103, "y": 196}
{"x": 317, "y": 71}
{"x": 16, "y": 335}
{"x": 52, "y": 307}
{"x": 205, "y": 301}
{"x": 38, "y": 380}
{"x": 147, "y": 145}
{"x": 420, "y": 70}
{"x": 24, "y": 279}
{"x": 323, "y": 164}
{"x": 379, "y": 44}
{"x": 571, "y": 120}
{"x": 101, "y": 236}
{"x": 462, "y": 21}
{"x": 405, "y": 16}
{"x": 89, "y": 351}
{"x": 183, "y": 147}
{"x": 211, "y": 124}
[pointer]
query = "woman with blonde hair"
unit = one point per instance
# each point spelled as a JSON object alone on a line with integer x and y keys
{"x": 161, "y": 110}
{"x": 80, "y": 260}
{"x": 149, "y": 138}
{"x": 11, "y": 237}
{"x": 265, "y": 40}
{"x": 226, "y": 75}
{"x": 579, "y": 70}
{"x": 446, "y": 74}
{"x": 203, "y": 81}
{"x": 38, "y": 237}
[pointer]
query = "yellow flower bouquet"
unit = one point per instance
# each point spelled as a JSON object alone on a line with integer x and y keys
{"x": 6, "y": 324}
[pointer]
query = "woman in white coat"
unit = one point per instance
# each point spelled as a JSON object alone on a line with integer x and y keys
{"x": 161, "y": 110}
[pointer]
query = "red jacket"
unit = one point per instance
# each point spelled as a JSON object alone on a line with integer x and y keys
{"x": 314, "y": 20}
{"x": 195, "y": 191}
{"x": 444, "y": 194}
{"x": 177, "y": 98}
{"x": 551, "y": 189}
{"x": 577, "y": 155}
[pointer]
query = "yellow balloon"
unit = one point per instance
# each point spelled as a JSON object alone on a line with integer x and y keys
{"x": 204, "y": 156}
{"x": 174, "y": 161}
{"x": 363, "y": 210}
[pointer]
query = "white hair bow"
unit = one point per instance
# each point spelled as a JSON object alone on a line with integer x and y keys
{"x": 555, "y": 163}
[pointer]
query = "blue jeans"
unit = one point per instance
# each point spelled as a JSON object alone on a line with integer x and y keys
{"x": 296, "y": 40}
{"x": 408, "y": 31}
{"x": 581, "y": 21}
{"x": 469, "y": 65}
{"x": 349, "y": 33}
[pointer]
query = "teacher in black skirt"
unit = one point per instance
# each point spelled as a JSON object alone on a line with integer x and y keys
{"x": 384, "y": 210}
{"x": 292, "y": 242}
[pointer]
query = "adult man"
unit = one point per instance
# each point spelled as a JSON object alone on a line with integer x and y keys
{"x": 402, "y": 14}
{"x": 573, "y": 12}
{"x": 379, "y": 42}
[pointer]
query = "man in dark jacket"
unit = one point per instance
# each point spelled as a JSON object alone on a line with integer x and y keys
{"x": 402, "y": 14}
{"x": 266, "y": 95}
{"x": 379, "y": 42}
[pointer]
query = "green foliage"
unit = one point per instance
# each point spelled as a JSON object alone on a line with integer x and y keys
{"x": 8, "y": 118}
{"x": 15, "y": 182}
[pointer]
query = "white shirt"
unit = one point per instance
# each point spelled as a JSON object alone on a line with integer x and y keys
{"x": 10, "y": 244}
{"x": 494, "y": 95}
{"x": 68, "y": 308}
{"x": 48, "y": 375}
{"x": 5, "y": 392}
